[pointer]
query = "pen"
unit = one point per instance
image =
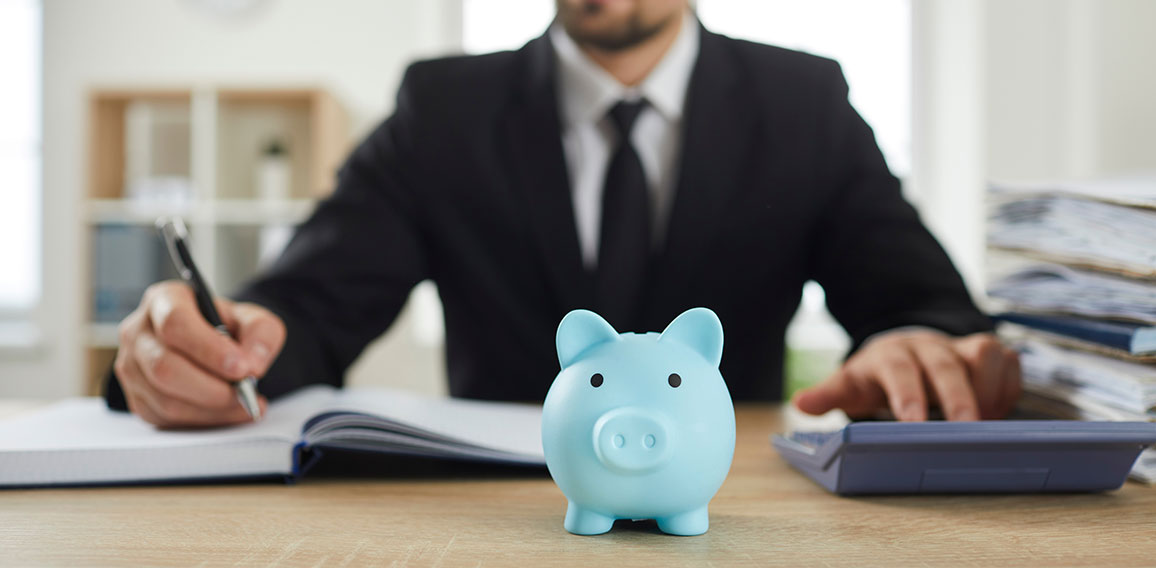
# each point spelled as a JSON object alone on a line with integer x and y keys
{"x": 172, "y": 229}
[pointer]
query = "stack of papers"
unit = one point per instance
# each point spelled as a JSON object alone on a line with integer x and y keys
{"x": 1070, "y": 384}
{"x": 1079, "y": 232}
{"x": 1133, "y": 191}
{"x": 1076, "y": 377}
{"x": 1085, "y": 318}
{"x": 1057, "y": 288}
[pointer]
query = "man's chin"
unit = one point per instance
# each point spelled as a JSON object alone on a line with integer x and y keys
{"x": 608, "y": 28}
{"x": 620, "y": 37}
{"x": 609, "y": 41}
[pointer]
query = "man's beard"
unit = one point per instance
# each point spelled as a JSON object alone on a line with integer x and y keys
{"x": 632, "y": 32}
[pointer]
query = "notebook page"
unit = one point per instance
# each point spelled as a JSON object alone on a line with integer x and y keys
{"x": 86, "y": 424}
{"x": 508, "y": 427}
{"x": 81, "y": 441}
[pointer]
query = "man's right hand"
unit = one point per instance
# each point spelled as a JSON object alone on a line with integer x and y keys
{"x": 177, "y": 371}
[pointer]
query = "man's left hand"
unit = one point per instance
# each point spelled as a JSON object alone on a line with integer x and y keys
{"x": 969, "y": 378}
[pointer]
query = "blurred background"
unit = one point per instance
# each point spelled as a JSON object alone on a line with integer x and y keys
{"x": 235, "y": 113}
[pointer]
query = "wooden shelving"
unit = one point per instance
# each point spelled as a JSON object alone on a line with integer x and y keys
{"x": 201, "y": 147}
{"x": 221, "y": 211}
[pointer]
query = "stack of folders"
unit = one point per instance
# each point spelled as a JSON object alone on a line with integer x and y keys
{"x": 1075, "y": 290}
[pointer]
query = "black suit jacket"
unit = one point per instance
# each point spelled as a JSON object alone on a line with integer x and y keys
{"x": 780, "y": 182}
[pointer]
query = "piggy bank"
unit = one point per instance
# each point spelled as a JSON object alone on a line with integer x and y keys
{"x": 639, "y": 425}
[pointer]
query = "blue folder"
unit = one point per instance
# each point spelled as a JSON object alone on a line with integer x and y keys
{"x": 1134, "y": 338}
{"x": 1007, "y": 456}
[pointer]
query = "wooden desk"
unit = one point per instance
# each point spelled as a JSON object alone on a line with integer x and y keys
{"x": 764, "y": 514}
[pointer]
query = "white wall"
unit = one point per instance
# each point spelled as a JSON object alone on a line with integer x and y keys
{"x": 1026, "y": 90}
{"x": 1126, "y": 49}
{"x": 948, "y": 131}
{"x": 1070, "y": 93}
{"x": 356, "y": 48}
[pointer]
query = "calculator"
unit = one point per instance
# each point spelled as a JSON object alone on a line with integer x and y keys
{"x": 999, "y": 456}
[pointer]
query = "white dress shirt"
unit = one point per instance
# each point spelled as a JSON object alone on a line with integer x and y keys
{"x": 586, "y": 93}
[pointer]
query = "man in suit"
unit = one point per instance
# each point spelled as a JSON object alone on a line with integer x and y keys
{"x": 628, "y": 161}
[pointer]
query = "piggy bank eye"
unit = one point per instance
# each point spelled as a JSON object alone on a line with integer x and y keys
{"x": 674, "y": 380}
{"x": 596, "y": 380}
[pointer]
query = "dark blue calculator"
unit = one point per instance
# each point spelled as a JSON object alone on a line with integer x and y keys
{"x": 1002, "y": 456}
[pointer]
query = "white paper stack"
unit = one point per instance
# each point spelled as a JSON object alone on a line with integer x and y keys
{"x": 1088, "y": 381}
{"x": 1078, "y": 232}
{"x": 1057, "y": 288}
{"x": 1098, "y": 241}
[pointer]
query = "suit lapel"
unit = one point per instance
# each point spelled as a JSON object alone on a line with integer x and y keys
{"x": 719, "y": 137}
{"x": 533, "y": 132}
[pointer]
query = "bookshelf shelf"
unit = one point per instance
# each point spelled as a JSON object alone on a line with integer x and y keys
{"x": 102, "y": 335}
{"x": 218, "y": 212}
{"x": 122, "y": 211}
{"x": 203, "y": 153}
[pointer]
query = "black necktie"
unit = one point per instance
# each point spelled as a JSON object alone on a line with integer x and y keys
{"x": 624, "y": 244}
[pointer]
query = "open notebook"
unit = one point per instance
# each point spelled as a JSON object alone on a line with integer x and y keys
{"x": 80, "y": 442}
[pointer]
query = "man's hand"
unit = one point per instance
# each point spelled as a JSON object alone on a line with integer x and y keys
{"x": 969, "y": 378}
{"x": 177, "y": 371}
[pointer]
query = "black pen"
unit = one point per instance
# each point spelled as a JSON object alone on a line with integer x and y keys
{"x": 173, "y": 231}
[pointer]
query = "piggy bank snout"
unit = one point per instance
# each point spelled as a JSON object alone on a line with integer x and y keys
{"x": 633, "y": 440}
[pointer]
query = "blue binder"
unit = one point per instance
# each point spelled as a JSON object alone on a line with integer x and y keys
{"x": 1134, "y": 338}
{"x": 1009, "y": 456}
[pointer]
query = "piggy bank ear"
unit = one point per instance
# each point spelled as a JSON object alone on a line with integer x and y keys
{"x": 700, "y": 330}
{"x": 580, "y": 330}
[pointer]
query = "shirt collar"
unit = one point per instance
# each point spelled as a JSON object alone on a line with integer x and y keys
{"x": 586, "y": 91}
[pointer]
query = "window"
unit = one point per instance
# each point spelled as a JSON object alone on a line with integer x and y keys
{"x": 19, "y": 157}
{"x": 871, "y": 40}
{"x": 497, "y": 25}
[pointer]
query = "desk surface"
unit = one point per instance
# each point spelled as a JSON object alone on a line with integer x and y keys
{"x": 765, "y": 513}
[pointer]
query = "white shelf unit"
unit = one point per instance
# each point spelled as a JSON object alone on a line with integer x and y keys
{"x": 254, "y": 212}
{"x": 206, "y": 141}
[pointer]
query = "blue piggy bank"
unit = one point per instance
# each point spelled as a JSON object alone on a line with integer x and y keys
{"x": 639, "y": 426}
